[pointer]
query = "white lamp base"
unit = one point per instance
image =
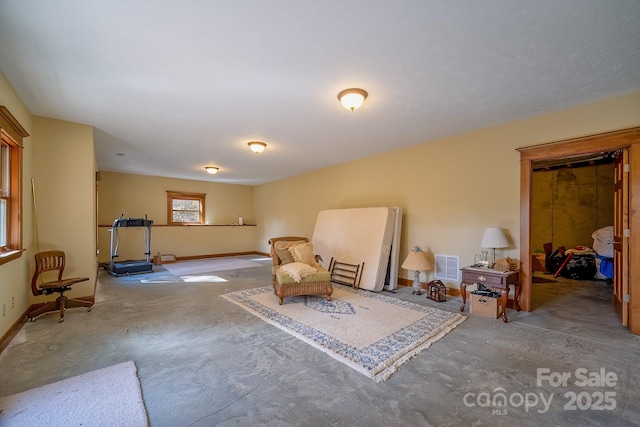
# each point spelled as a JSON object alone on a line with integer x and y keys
{"x": 417, "y": 286}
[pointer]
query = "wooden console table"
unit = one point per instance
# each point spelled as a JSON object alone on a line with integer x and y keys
{"x": 492, "y": 279}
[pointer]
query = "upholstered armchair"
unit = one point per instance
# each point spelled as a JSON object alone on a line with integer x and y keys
{"x": 296, "y": 270}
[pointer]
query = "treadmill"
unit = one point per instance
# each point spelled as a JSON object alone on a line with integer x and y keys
{"x": 125, "y": 268}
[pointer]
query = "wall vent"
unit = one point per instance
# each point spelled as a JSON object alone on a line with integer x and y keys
{"x": 447, "y": 267}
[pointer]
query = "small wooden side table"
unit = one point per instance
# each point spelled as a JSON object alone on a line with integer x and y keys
{"x": 492, "y": 279}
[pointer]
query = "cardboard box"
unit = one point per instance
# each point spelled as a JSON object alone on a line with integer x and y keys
{"x": 164, "y": 259}
{"x": 484, "y": 305}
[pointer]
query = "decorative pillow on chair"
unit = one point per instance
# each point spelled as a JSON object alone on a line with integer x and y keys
{"x": 297, "y": 270}
{"x": 303, "y": 252}
{"x": 281, "y": 249}
{"x": 285, "y": 256}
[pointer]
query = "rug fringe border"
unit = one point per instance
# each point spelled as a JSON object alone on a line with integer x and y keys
{"x": 395, "y": 366}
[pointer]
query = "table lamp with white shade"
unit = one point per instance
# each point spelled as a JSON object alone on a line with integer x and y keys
{"x": 494, "y": 238}
{"x": 417, "y": 261}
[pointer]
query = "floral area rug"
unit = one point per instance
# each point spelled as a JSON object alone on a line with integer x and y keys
{"x": 371, "y": 333}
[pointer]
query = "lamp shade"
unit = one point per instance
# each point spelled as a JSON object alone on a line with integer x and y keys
{"x": 417, "y": 261}
{"x": 494, "y": 238}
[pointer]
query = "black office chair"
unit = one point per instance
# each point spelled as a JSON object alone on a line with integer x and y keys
{"x": 52, "y": 261}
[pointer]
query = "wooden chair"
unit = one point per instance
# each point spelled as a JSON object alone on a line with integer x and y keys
{"x": 54, "y": 261}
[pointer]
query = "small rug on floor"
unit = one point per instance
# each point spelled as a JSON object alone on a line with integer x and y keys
{"x": 106, "y": 397}
{"x": 371, "y": 333}
{"x": 208, "y": 265}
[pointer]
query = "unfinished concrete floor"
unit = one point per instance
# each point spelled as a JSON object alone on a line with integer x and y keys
{"x": 203, "y": 361}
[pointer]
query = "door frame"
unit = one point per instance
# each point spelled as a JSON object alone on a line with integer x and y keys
{"x": 620, "y": 247}
{"x": 609, "y": 141}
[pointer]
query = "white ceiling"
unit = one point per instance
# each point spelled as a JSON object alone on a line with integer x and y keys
{"x": 177, "y": 85}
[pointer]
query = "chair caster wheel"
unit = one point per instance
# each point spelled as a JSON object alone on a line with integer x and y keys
{"x": 32, "y": 319}
{"x": 88, "y": 309}
{"x": 60, "y": 320}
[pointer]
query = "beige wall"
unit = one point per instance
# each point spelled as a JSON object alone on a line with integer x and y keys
{"x": 140, "y": 195}
{"x": 14, "y": 275}
{"x": 59, "y": 157}
{"x": 64, "y": 177}
{"x": 449, "y": 189}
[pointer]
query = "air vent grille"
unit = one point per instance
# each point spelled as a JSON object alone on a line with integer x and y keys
{"x": 447, "y": 267}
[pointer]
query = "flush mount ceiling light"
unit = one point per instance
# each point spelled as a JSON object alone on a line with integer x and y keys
{"x": 257, "y": 146}
{"x": 211, "y": 169}
{"x": 352, "y": 98}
